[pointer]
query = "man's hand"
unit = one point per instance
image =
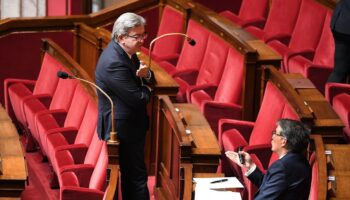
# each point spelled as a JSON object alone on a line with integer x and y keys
{"x": 235, "y": 158}
{"x": 143, "y": 71}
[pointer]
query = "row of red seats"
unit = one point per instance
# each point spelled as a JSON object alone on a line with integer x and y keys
{"x": 61, "y": 118}
{"x": 205, "y": 74}
{"x": 299, "y": 30}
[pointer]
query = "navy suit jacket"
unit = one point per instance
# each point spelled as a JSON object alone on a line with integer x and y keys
{"x": 116, "y": 75}
{"x": 288, "y": 178}
{"x": 341, "y": 17}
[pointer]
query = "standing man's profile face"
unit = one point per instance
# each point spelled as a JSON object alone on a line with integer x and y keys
{"x": 133, "y": 41}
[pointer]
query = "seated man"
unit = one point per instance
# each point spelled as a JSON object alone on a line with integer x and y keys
{"x": 290, "y": 176}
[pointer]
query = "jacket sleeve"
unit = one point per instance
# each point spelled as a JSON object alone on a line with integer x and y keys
{"x": 274, "y": 184}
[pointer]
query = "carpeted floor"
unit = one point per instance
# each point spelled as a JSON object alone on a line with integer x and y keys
{"x": 38, "y": 187}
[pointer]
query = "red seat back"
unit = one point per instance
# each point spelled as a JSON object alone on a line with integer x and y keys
{"x": 282, "y": 18}
{"x": 47, "y": 79}
{"x": 191, "y": 57}
{"x": 253, "y": 9}
{"x": 88, "y": 124}
{"x": 309, "y": 25}
{"x": 213, "y": 62}
{"x": 172, "y": 21}
{"x": 98, "y": 177}
{"x": 230, "y": 89}
{"x": 273, "y": 107}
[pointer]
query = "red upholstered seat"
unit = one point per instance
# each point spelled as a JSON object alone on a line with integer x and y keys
{"x": 280, "y": 22}
{"x": 18, "y": 91}
{"x": 314, "y": 181}
{"x": 85, "y": 182}
{"x": 251, "y": 13}
{"x": 168, "y": 49}
{"x": 210, "y": 71}
{"x": 333, "y": 89}
{"x": 54, "y": 121}
{"x": 225, "y": 101}
{"x": 235, "y": 133}
{"x": 61, "y": 101}
{"x": 306, "y": 34}
{"x": 191, "y": 57}
{"x": 319, "y": 68}
{"x": 341, "y": 105}
{"x": 65, "y": 137}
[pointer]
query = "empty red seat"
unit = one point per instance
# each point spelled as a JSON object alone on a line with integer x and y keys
{"x": 54, "y": 120}
{"x": 18, "y": 90}
{"x": 225, "y": 100}
{"x": 210, "y": 71}
{"x": 61, "y": 138}
{"x": 61, "y": 102}
{"x": 251, "y": 13}
{"x": 191, "y": 57}
{"x": 86, "y": 182}
{"x": 168, "y": 49}
{"x": 280, "y": 22}
{"x": 235, "y": 133}
{"x": 306, "y": 33}
{"x": 320, "y": 67}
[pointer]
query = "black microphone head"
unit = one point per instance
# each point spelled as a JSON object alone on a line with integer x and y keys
{"x": 191, "y": 41}
{"x": 63, "y": 75}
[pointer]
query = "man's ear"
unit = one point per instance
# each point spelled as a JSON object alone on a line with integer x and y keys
{"x": 284, "y": 142}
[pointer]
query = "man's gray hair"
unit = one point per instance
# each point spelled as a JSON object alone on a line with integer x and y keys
{"x": 125, "y": 22}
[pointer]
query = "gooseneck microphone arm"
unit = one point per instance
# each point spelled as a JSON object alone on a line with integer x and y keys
{"x": 191, "y": 41}
{"x": 113, "y": 133}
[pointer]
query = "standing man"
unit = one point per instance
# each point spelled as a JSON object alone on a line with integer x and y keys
{"x": 340, "y": 26}
{"x": 121, "y": 75}
{"x": 288, "y": 178}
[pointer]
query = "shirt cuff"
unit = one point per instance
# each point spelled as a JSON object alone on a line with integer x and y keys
{"x": 149, "y": 75}
{"x": 250, "y": 170}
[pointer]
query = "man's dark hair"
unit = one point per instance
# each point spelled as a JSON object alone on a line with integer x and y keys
{"x": 296, "y": 133}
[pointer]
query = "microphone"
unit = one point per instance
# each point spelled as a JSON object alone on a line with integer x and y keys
{"x": 113, "y": 133}
{"x": 190, "y": 41}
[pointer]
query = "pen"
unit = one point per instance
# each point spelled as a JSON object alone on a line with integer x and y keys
{"x": 219, "y": 181}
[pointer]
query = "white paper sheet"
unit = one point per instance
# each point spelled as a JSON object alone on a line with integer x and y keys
{"x": 204, "y": 193}
{"x": 232, "y": 182}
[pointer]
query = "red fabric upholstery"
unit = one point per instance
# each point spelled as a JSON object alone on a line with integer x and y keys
{"x": 341, "y": 105}
{"x": 314, "y": 181}
{"x": 53, "y": 120}
{"x": 234, "y": 133}
{"x": 17, "y": 91}
{"x": 333, "y": 89}
{"x": 227, "y": 100}
{"x": 307, "y": 32}
{"x": 169, "y": 48}
{"x": 61, "y": 100}
{"x": 251, "y": 13}
{"x": 85, "y": 182}
{"x": 280, "y": 22}
{"x": 191, "y": 57}
{"x": 64, "y": 137}
{"x": 318, "y": 69}
{"x": 210, "y": 71}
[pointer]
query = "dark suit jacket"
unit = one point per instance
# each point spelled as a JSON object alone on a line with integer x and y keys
{"x": 116, "y": 75}
{"x": 287, "y": 178}
{"x": 341, "y": 17}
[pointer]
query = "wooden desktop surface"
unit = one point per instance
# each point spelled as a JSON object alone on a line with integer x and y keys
{"x": 13, "y": 167}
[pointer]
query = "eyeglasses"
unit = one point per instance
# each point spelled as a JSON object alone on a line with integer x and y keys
{"x": 275, "y": 133}
{"x": 138, "y": 36}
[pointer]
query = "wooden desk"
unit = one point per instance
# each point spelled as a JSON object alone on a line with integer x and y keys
{"x": 13, "y": 166}
{"x": 205, "y": 151}
{"x": 325, "y": 122}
